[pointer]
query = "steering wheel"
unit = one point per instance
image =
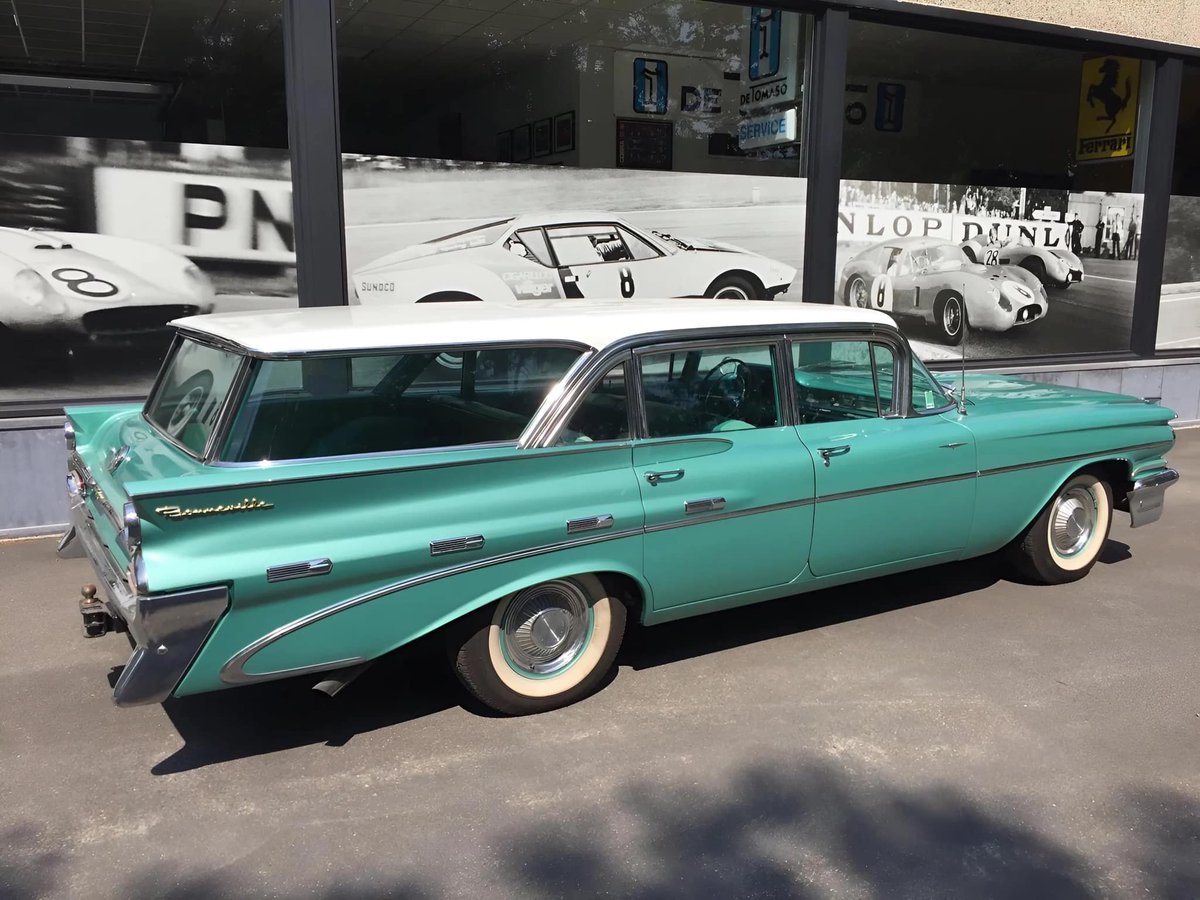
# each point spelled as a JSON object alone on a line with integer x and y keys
{"x": 726, "y": 384}
{"x": 194, "y": 392}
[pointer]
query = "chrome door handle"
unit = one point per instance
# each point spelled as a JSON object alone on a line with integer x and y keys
{"x": 827, "y": 452}
{"x": 669, "y": 475}
{"x": 954, "y": 445}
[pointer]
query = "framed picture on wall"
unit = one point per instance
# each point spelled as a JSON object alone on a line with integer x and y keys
{"x": 520, "y": 143}
{"x": 564, "y": 132}
{"x": 504, "y": 146}
{"x": 541, "y": 137}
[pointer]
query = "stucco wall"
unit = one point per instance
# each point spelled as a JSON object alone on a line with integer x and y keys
{"x": 1172, "y": 21}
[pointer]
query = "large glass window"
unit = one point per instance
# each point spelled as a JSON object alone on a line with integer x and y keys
{"x": 337, "y": 406}
{"x": 144, "y": 177}
{"x": 656, "y": 142}
{"x": 991, "y": 200}
{"x": 1179, "y": 311}
{"x": 842, "y": 379}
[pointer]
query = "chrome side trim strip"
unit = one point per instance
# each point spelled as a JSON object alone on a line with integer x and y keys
{"x": 730, "y": 514}
{"x": 903, "y": 486}
{"x": 590, "y": 523}
{"x": 306, "y": 569}
{"x": 455, "y": 545}
{"x": 232, "y": 672}
{"x": 1000, "y": 470}
{"x": 392, "y": 470}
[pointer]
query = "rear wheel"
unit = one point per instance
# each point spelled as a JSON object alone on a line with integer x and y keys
{"x": 542, "y": 647}
{"x": 734, "y": 287}
{"x": 1064, "y": 541}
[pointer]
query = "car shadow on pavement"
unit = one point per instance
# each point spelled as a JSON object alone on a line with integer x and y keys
{"x": 279, "y": 715}
{"x": 684, "y": 639}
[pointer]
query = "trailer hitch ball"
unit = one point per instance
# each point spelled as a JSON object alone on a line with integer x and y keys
{"x": 96, "y": 620}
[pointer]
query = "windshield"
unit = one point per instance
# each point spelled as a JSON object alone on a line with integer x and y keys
{"x": 671, "y": 243}
{"x": 377, "y": 403}
{"x": 940, "y": 258}
{"x": 191, "y": 391}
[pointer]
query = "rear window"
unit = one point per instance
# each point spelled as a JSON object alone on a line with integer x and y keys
{"x": 191, "y": 392}
{"x": 345, "y": 405}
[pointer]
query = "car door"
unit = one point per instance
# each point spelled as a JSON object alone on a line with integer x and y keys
{"x": 605, "y": 260}
{"x": 895, "y": 472}
{"x": 726, "y": 484}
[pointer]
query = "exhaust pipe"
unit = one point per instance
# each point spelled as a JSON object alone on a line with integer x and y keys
{"x": 333, "y": 682}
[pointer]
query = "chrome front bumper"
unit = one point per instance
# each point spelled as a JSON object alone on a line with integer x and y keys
{"x": 1146, "y": 497}
{"x": 168, "y": 629}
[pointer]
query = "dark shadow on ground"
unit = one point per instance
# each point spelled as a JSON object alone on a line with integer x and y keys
{"x": 782, "y": 826}
{"x": 687, "y": 638}
{"x": 266, "y": 718}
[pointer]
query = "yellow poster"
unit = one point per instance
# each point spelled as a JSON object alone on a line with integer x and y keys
{"x": 1108, "y": 102}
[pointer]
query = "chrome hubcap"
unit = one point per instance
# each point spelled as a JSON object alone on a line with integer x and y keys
{"x": 859, "y": 292}
{"x": 545, "y": 628}
{"x": 951, "y": 317}
{"x": 1074, "y": 521}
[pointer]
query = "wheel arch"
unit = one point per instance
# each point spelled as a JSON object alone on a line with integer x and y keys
{"x": 379, "y": 626}
{"x": 740, "y": 273}
{"x": 450, "y": 297}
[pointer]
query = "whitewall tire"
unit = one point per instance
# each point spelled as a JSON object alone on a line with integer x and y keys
{"x": 541, "y": 647}
{"x": 1065, "y": 540}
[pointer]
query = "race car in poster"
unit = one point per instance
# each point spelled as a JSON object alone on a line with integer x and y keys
{"x": 936, "y": 281}
{"x": 567, "y": 255}
{"x": 1052, "y": 266}
{"x": 95, "y": 286}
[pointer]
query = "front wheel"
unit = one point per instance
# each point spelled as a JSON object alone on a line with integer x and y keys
{"x": 1064, "y": 541}
{"x": 542, "y": 647}
{"x": 950, "y": 317}
{"x": 857, "y": 293}
{"x": 734, "y": 287}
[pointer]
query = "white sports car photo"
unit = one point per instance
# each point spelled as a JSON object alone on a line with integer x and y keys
{"x": 95, "y": 286}
{"x": 567, "y": 255}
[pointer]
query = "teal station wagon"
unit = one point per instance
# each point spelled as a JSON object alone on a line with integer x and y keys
{"x": 306, "y": 491}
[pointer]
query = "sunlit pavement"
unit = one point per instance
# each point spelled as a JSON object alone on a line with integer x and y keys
{"x": 943, "y": 733}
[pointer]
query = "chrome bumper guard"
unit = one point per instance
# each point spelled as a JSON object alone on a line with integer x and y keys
{"x": 168, "y": 629}
{"x": 1147, "y": 495}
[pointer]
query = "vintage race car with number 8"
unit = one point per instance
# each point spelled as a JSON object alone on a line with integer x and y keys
{"x": 572, "y": 255}
{"x": 307, "y": 491}
{"x": 934, "y": 280}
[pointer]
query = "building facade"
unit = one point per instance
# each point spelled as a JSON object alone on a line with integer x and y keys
{"x": 1013, "y": 181}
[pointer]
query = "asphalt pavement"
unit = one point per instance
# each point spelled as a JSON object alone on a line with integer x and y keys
{"x": 945, "y": 733}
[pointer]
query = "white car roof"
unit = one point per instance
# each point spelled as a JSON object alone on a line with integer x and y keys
{"x": 595, "y": 323}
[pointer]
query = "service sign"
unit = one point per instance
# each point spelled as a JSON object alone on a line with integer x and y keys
{"x": 767, "y": 130}
{"x": 772, "y": 75}
{"x": 1108, "y": 103}
{"x": 202, "y": 216}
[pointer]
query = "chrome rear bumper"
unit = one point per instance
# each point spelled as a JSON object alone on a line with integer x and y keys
{"x": 1146, "y": 497}
{"x": 168, "y": 629}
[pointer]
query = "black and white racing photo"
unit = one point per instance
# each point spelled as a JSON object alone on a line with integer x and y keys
{"x": 103, "y": 242}
{"x": 991, "y": 271}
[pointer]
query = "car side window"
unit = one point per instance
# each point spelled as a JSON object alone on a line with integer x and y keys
{"x": 926, "y": 392}
{"x": 604, "y": 413}
{"x": 692, "y": 391}
{"x": 838, "y": 380}
{"x": 530, "y": 243}
{"x": 581, "y": 245}
{"x": 638, "y": 248}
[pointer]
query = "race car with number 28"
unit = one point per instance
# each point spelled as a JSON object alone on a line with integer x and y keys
{"x": 1052, "y": 266}
{"x": 97, "y": 286}
{"x": 935, "y": 280}
{"x": 567, "y": 255}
